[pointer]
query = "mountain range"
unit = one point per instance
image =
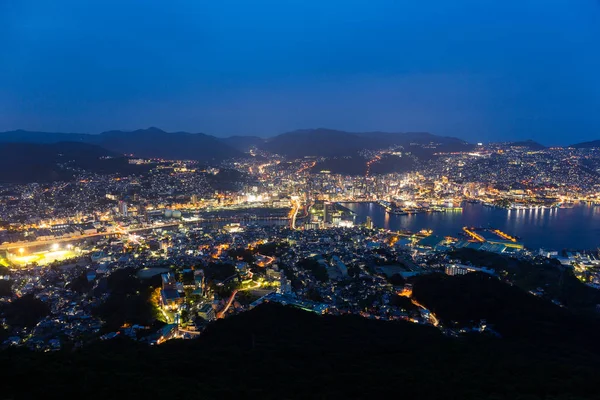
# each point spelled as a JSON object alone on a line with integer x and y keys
{"x": 156, "y": 143}
{"x": 46, "y": 162}
{"x": 338, "y": 146}
{"x": 529, "y": 144}
{"x": 333, "y": 143}
{"x": 24, "y": 162}
{"x": 586, "y": 145}
{"x": 149, "y": 143}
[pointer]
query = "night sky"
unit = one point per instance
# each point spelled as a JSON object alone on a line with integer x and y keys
{"x": 481, "y": 70}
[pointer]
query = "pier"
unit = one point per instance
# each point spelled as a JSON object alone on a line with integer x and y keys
{"x": 493, "y": 236}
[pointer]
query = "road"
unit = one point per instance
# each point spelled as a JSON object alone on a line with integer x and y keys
{"x": 306, "y": 208}
{"x": 306, "y": 167}
{"x": 118, "y": 231}
{"x": 221, "y": 314}
{"x": 434, "y": 320}
{"x": 17, "y": 245}
{"x": 193, "y": 333}
{"x": 372, "y": 161}
{"x": 294, "y": 214}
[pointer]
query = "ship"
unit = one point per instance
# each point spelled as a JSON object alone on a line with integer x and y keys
{"x": 399, "y": 211}
{"x": 567, "y": 204}
{"x": 385, "y": 204}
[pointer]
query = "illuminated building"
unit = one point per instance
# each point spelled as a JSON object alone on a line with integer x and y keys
{"x": 207, "y": 312}
{"x": 459, "y": 269}
{"x": 122, "y": 208}
{"x": 169, "y": 295}
{"x": 454, "y": 269}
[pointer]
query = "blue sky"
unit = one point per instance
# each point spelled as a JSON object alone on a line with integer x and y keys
{"x": 479, "y": 69}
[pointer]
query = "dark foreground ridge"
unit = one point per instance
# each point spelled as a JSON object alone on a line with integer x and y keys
{"x": 279, "y": 352}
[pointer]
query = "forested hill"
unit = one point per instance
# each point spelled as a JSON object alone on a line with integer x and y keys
{"x": 283, "y": 353}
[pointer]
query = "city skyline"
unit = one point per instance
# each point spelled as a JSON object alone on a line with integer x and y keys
{"x": 300, "y": 199}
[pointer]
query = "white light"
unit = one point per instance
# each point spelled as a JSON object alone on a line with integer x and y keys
{"x": 55, "y": 246}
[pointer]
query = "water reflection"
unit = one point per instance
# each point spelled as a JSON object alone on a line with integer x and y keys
{"x": 386, "y": 222}
{"x": 577, "y": 227}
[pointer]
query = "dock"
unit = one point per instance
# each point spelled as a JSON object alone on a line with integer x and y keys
{"x": 492, "y": 236}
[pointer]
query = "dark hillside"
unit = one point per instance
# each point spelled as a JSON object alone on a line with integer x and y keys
{"x": 275, "y": 352}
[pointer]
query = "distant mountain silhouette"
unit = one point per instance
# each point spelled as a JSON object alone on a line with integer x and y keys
{"x": 151, "y": 142}
{"x": 328, "y": 142}
{"x": 586, "y": 145}
{"x": 317, "y": 142}
{"x": 156, "y": 143}
{"x": 357, "y": 165}
{"x": 32, "y": 162}
{"x": 530, "y": 144}
{"x": 411, "y": 137}
{"x": 22, "y": 136}
{"x": 243, "y": 143}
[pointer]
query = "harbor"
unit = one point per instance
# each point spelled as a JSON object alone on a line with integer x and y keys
{"x": 492, "y": 236}
{"x": 576, "y": 227}
{"x": 398, "y": 210}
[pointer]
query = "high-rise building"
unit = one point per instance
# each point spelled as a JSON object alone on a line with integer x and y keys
{"x": 369, "y": 222}
{"x": 143, "y": 212}
{"x": 325, "y": 213}
{"x": 168, "y": 281}
{"x": 122, "y": 208}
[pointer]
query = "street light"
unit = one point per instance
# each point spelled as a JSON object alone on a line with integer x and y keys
{"x": 21, "y": 251}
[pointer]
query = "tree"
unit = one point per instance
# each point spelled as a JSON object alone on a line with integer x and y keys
{"x": 80, "y": 284}
{"x": 396, "y": 280}
{"x": 315, "y": 267}
{"x": 5, "y": 288}
{"x": 219, "y": 271}
{"x": 184, "y": 315}
{"x": 123, "y": 281}
{"x": 245, "y": 254}
{"x": 314, "y": 295}
{"x": 273, "y": 249}
{"x": 25, "y": 311}
{"x": 119, "y": 309}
